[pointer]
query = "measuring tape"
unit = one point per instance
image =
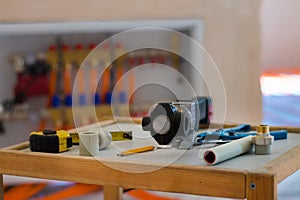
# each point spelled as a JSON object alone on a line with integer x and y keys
{"x": 50, "y": 141}
{"x": 121, "y": 135}
{"x": 115, "y": 135}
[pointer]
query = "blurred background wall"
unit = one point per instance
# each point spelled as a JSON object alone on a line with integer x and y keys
{"x": 280, "y": 32}
{"x": 231, "y": 37}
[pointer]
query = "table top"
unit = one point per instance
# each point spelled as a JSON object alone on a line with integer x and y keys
{"x": 164, "y": 157}
{"x": 169, "y": 170}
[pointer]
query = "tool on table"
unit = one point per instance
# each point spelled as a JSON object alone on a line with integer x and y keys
{"x": 50, "y": 141}
{"x": 218, "y": 142}
{"x": 56, "y": 141}
{"x": 229, "y": 134}
{"x": 223, "y": 152}
{"x": 105, "y": 138}
{"x": 239, "y": 141}
{"x": 75, "y": 138}
{"x": 263, "y": 140}
{"x": 137, "y": 150}
{"x": 121, "y": 135}
{"x": 175, "y": 123}
{"x": 89, "y": 143}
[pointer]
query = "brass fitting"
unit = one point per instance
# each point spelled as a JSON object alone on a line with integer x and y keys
{"x": 263, "y": 129}
{"x": 263, "y": 140}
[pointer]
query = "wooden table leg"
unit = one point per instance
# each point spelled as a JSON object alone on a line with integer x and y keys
{"x": 261, "y": 186}
{"x": 1, "y": 187}
{"x": 112, "y": 192}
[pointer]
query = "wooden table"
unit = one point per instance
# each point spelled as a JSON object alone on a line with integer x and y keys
{"x": 249, "y": 176}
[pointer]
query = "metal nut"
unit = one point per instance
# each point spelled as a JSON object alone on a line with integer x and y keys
{"x": 263, "y": 140}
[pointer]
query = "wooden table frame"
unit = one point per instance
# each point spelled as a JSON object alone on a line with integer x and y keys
{"x": 200, "y": 180}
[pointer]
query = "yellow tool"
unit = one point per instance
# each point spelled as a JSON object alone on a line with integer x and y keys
{"x": 121, "y": 135}
{"x": 50, "y": 141}
{"x": 137, "y": 150}
{"x": 75, "y": 138}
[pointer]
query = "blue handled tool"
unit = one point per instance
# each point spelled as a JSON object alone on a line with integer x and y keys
{"x": 240, "y": 128}
{"x": 234, "y": 134}
{"x": 223, "y": 132}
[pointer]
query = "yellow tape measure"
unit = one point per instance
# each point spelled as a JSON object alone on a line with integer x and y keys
{"x": 75, "y": 138}
{"x": 121, "y": 135}
{"x": 50, "y": 141}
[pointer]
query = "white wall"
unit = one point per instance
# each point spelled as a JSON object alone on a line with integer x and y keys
{"x": 231, "y": 36}
{"x": 280, "y": 33}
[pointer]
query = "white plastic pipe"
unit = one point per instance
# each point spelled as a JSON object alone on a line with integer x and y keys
{"x": 226, "y": 151}
{"x": 89, "y": 143}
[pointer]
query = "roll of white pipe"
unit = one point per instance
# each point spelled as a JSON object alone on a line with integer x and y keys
{"x": 226, "y": 151}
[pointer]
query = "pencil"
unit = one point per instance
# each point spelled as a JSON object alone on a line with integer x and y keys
{"x": 137, "y": 150}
